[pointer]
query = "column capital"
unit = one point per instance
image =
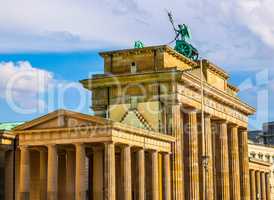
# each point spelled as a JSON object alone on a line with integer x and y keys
{"x": 42, "y": 149}
{"x": 221, "y": 121}
{"x": 207, "y": 115}
{"x": 233, "y": 125}
{"x": 136, "y": 149}
{"x": 125, "y": 145}
{"x": 190, "y": 110}
{"x": 23, "y": 147}
{"x": 51, "y": 145}
{"x": 78, "y": 144}
{"x": 153, "y": 150}
{"x": 165, "y": 153}
{"x": 242, "y": 129}
{"x": 176, "y": 103}
{"x": 139, "y": 149}
{"x": 109, "y": 142}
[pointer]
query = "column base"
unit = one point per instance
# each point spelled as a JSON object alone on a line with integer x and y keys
{"x": 52, "y": 196}
{"x": 24, "y": 196}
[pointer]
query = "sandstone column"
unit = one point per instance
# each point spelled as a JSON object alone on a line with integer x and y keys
{"x": 192, "y": 192}
{"x": 258, "y": 185}
{"x": 252, "y": 185}
{"x": 268, "y": 189}
{"x": 224, "y": 162}
{"x": 98, "y": 173}
{"x": 43, "y": 174}
{"x": 155, "y": 175}
{"x": 109, "y": 173}
{"x": 234, "y": 163}
{"x": 9, "y": 175}
{"x": 17, "y": 173}
{"x": 52, "y": 184}
{"x": 166, "y": 176}
{"x": 209, "y": 153}
{"x": 126, "y": 172}
{"x": 263, "y": 186}
{"x": 141, "y": 174}
{"x": 24, "y": 185}
{"x": 62, "y": 190}
{"x": 244, "y": 163}
{"x": 70, "y": 171}
{"x": 80, "y": 187}
{"x": 177, "y": 165}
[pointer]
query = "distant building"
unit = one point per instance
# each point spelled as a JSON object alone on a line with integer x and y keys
{"x": 256, "y": 137}
{"x": 268, "y": 132}
{"x": 261, "y": 168}
{"x": 264, "y": 136}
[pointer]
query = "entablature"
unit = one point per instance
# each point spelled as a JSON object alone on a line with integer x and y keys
{"x": 194, "y": 84}
{"x": 184, "y": 87}
{"x": 6, "y": 138}
{"x": 259, "y": 165}
{"x": 89, "y": 135}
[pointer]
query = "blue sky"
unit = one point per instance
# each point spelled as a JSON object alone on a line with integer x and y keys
{"x": 60, "y": 40}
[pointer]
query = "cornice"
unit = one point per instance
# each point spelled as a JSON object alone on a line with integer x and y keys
{"x": 124, "y": 79}
{"x": 218, "y": 94}
{"x": 136, "y": 51}
{"x": 58, "y": 113}
{"x": 7, "y": 135}
{"x": 260, "y": 162}
{"x": 106, "y": 129}
{"x": 233, "y": 87}
{"x": 150, "y": 49}
{"x": 261, "y": 147}
{"x": 216, "y": 69}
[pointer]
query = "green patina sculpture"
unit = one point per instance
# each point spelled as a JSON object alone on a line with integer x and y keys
{"x": 138, "y": 44}
{"x": 182, "y": 38}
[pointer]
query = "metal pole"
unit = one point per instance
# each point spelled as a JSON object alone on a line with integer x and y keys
{"x": 204, "y": 142}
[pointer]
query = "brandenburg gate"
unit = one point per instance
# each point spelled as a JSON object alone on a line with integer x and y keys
{"x": 164, "y": 127}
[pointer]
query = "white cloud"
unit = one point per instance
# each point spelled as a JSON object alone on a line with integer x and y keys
{"x": 236, "y": 33}
{"x": 27, "y": 89}
{"x": 258, "y": 15}
{"x": 22, "y": 85}
{"x": 26, "y": 78}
